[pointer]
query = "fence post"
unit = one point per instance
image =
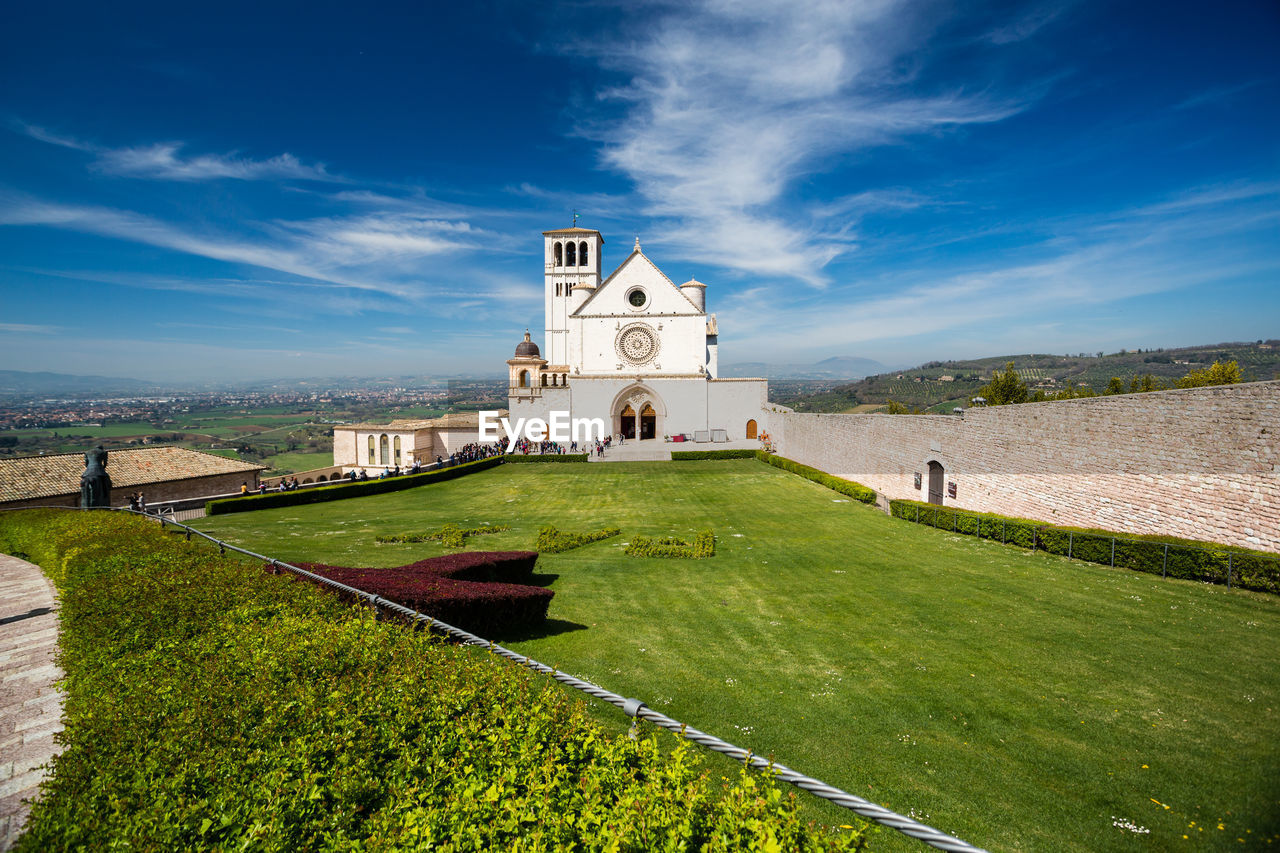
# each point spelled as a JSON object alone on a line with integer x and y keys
{"x": 955, "y": 521}
{"x": 1003, "y": 540}
{"x": 1071, "y": 541}
{"x": 917, "y": 515}
{"x": 1228, "y": 570}
{"x": 1034, "y": 531}
{"x": 1164, "y": 571}
{"x": 1113, "y": 552}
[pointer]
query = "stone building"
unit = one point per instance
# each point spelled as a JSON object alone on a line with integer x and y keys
{"x": 160, "y": 473}
{"x": 634, "y": 349}
{"x": 379, "y": 447}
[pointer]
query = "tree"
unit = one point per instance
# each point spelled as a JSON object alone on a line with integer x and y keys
{"x": 1218, "y": 373}
{"x": 1115, "y": 386}
{"x": 1005, "y": 388}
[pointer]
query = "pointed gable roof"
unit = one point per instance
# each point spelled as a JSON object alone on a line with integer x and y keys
{"x": 635, "y": 253}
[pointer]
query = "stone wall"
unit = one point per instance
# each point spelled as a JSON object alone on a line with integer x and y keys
{"x": 1198, "y": 463}
{"x": 158, "y": 492}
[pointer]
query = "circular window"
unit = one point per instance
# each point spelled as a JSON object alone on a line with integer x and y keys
{"x": 637, "y": 344}
{"x": 638, "y": 298}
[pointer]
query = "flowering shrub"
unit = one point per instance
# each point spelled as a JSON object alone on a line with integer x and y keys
{"x": 1161, "y": 555}
{"x": 451, "y": 535}
{"x": 553, "y": 541}
{"x": 469, "y": 593}
{"x": 212, "y": 707}
{"x": 702, "y": 546}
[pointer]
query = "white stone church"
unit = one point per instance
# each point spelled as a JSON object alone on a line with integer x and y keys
{"x": 636, "y": 350}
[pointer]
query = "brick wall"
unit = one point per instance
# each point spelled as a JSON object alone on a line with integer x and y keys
{"x": 1199, "y": 463}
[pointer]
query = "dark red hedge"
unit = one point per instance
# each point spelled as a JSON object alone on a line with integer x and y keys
{"x": 470, "y": 590}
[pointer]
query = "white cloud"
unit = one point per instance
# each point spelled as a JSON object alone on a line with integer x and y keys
{"x": 730, "y": 104}
{"x": 165, "y": 161}
{"x": 29, "y": 329}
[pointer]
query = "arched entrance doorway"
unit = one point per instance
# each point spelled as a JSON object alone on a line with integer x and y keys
{"x": 648, "y": 422}
{"x": 751, "y": 429}
{"x": 936, "y": 477}
{"x": 627, "y": 422}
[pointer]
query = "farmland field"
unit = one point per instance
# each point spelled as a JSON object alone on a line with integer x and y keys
{"x": 1018, "y": 700}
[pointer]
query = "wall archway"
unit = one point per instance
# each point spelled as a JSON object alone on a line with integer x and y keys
{"x": 937, "y": 482}
{"x": 751, "y": 428}
{"x": 636, "y": 397}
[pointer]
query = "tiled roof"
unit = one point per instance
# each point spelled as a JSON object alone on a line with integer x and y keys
{"x": 26, "y": 477}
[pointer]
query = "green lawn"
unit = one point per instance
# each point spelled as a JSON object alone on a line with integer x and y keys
{"x": 1020, "y": 701}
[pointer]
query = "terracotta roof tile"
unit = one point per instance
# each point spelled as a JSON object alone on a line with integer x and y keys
{"x": 26, "y": 477}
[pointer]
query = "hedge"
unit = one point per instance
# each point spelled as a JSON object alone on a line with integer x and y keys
{"x": 1160, "y": 555}
{"x": 210, "y": 706}
{"x": 342, "y": 491}
{"x": 553, "y": 541}
{"x": 692, "y": 455}
{"x": 702, "y": 546}
{"x": 472, "y": 593}
{"x": 549, "y": 457}
{"x": 857, "y": 491}
{"x": 450, "y": 535}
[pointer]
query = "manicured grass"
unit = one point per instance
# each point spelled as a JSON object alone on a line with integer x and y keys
{"x": 293, "y": 462}
{"x": 1018, "y": 700}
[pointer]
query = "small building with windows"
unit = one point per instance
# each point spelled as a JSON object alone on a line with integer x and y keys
{"x": 634, "y": 349}
{"x": 379, "y": 447}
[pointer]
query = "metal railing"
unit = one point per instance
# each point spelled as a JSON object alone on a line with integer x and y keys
{"x": 634, "y": 708}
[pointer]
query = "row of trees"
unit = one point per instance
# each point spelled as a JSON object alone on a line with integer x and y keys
{"x": 1007, "y": 387}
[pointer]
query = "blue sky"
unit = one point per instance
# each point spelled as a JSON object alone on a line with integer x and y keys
{"x": 311, "y": 189}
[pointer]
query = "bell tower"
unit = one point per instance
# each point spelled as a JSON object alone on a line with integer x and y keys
{"x": 572, "y": 274}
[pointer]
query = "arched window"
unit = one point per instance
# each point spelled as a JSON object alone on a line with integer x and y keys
{"x": 544, "y": 380}
{"x": 397, "y": 447}
{"x": 568, "y": 255}
{"x": 559, "y": 257}
{"x": 582, "y": 254}
{"x": 371, "y": 456}
{"x": 557, "y": 288}
{"x": 524, "y": 379}
{"x": 384, "y": 448}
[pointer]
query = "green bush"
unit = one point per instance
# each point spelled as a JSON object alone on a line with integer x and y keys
{"x": 550, "y": 457}
{"x": 211, "y": 706}
{"x": 702, "y": 546}
{"x": 342, "y": 491}
{"x": 450, "y": 535}
{"x": 1161, "y": 555}
{"x": 691, "y": 455}
{"x": 553, "y": 541}
{"x": 857, "y": 491}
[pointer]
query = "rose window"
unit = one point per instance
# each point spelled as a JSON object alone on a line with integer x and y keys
{"x": 637, "y": 344}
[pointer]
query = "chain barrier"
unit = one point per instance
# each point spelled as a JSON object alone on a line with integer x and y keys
{"x": 634, "y": 708}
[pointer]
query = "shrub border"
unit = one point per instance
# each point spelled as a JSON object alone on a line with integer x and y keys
{"x": 1167, "y": 556}
{"x": 547, "y": 457}
{"x": 342, "y": 491}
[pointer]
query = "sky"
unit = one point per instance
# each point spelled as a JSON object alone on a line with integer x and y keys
{"x": 244, "y": 191}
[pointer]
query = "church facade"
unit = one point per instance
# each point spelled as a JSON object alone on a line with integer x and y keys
{"x": 634, "y": 349}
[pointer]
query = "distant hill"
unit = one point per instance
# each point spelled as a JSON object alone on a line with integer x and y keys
{"x": 840, "y": 367}
{"x": 42, "y": 384}
{"x": 941, "y": 385}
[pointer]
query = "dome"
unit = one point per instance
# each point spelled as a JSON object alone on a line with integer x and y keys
{"x": 527, "y": 348}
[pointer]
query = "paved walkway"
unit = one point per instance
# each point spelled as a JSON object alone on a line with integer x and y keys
{"x": 658, "y": 450}
{"x": 30, "y": 704}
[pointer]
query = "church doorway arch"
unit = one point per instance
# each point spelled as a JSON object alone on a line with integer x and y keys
{"x": 648, "y": 422}
{"x": 936, "y": 477}
{"x": 627, "y": 422}
{"x": 751, "y": 429}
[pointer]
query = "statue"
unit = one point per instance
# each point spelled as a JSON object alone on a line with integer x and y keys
{"x": 95, "y": 485}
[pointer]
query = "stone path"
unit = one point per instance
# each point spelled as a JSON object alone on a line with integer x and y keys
{"x": 30, "y": 704}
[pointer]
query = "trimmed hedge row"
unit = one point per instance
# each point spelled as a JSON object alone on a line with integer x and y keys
{"x": 857, "y": 491}
{"x": 691, "y": 455}
{"x": 473, "y": 592}
{"x": 342, "y": 491}
{"x": 1160, "y": 555}
{"x": 702, "y": 546}
{"x": 550, "y": 457}
{"x": 211, "y": 706}
{"x": 553, "y": 541}
{"x": 450, "y": 535}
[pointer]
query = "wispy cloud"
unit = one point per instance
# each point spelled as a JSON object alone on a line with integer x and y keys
{"x": 165, "y": 161}
{"x": 29, "y": 329}
{"x": 729, "y": 105}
